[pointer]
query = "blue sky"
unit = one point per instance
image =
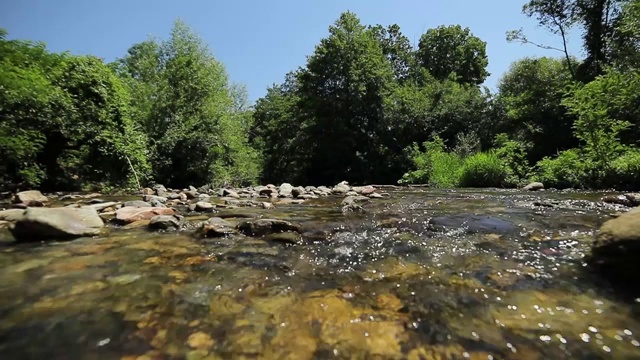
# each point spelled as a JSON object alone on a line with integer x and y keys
{"x": 260, "y": 41}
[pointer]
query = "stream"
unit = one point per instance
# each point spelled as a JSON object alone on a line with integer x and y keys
{"x": 421, "y": 274}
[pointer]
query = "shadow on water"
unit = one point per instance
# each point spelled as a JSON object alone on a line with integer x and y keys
{"x": 423, "y": 274}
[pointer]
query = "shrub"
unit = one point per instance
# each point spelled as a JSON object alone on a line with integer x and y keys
{"x": 433, "y": 166}
{"x": 513, "y": 155}
{"x": 484, "y": 169}
{"x": 626, "y": 170}
{"x": 568, "y": 169}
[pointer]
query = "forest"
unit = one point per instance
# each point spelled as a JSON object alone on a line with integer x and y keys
{"x": 367, "y": 107}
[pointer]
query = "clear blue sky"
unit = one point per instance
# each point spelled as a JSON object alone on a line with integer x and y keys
{"x": 259, "y": 41}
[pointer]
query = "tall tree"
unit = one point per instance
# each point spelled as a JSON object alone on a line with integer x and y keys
{"x": 196, "y": 119}
{"x": 397, "y": 48}
{"x": 596, "y": 18}
{"x": 448, "y": 50}
{"x": 342, "y": 91}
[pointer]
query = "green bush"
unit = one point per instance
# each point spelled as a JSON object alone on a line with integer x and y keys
{"x": 513, "y": 155}
{"x": 433, "y": 166}
{"x": 445, "y": 170}
{"x": 626, "y": 170}
{"x": 568, "y": 170}
{"x": 484, "y": 169}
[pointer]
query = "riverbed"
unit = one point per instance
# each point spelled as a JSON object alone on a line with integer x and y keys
{"x": 420, "y": 274}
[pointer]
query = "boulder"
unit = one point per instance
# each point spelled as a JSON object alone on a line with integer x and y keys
{"x": 341, "y": 188}
{"x": 534, "y": 186}
{"x": 285, "y": 190}
{"x": 354, "y": 200}
{"x": 128, "y": 215}
{"x": 230, "y": 193}
{"x": 147, "y": 191}
{"x": 27, "y": 197}
{"x": 166, "y": 222}
{"x": 616, "y": 249}
{"x": 631, "y": 199}
{"x": 160, "y": 190}
{"x": 203, "y": 206}
{"x": 297, "y": 191}
{"x": 57, "y": 223}
{"x": 191, "y": 194}
{"x": 261, "y": 227}
{"x": 11, "y": 215}
{"x": 216, "y": 227}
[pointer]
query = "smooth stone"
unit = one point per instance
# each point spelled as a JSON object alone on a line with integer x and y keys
{"x": 57, "y": 223}
{"x": 29, "y": 196}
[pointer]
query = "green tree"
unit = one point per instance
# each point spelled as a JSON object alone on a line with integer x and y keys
{"x": 342, "y": 94}
{"x": 448, "y": 50}
{"x": 531, "y": 92}
{"x": 65, "y": 120}
{"x": 195, "y": 118}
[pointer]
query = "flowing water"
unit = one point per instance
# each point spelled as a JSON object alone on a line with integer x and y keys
{"x": 423, "y": 274}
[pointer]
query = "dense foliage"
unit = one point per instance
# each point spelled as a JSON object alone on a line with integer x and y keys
{"x": 367, "y": 107}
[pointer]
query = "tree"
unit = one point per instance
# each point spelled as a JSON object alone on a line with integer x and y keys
{"x": 65, "y": 120}
{"x": 196, "y": 120}
{"x": 341, "y": 95}
{"x": 397, "y": 48}
{"x": 448, "y": 50}
{"x": 597, "y": 19}
{"x": 531, "y": 92}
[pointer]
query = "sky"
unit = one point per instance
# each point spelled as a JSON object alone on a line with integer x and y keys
{"x": 259, "y": 41}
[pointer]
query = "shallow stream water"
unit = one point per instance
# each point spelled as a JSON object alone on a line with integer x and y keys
{"x": 422, "y": 274}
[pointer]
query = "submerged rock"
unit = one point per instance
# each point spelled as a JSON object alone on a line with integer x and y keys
{"x": 166, "y": 222}
{"x": 57, "y": 223}
{"x": 629, "y": 200}
{"x": 216, "y": 227}
{"x": 261, "y": 227}
{"x": 27, "y": 197}
{"x": 287, "y": 237}
{"x": 472, "y": 224}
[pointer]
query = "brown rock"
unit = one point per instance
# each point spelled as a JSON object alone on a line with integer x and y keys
{"x": 127, "y": 215}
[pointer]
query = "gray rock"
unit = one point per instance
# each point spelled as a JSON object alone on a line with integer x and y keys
{"x": 216, "y": 227}
{"x": 375, "y": 195}
{"x": 57, "y": 223}
{"x": 102, "y": 206}
{"x": 27, "y": 197}
{"x": 351, "y": 193}
{"x": 307, "y": 196}
{"x": 297, "y": 191}
{"x": 137, "y": 203}
{"x": 285, "y": 190}
{"x": 11, "y": 215}
{"x": 534, "y": 186}
{"x": 160, "y": 190}
{"x": 617, "y": 199}
{"x": 203, "y": 206}
{"x": 230, "y": 193}
{"x": 616, "y": 249}
{"x": 261, "y": 227}
{"x": 153, "y": 198}
{"x": 193, "y": 189}
{"x": 191, "y": 194}
{"x": 364, "y": 190}
{"x": 354, "y": 200}
{"x": 166, "y": 222}
{"x": 341, "y": 188}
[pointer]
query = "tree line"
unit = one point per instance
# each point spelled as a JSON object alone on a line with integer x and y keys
{"x": 367, "y": 107}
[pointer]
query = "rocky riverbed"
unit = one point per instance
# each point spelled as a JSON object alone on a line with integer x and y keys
{"x": 329, "y": 272}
